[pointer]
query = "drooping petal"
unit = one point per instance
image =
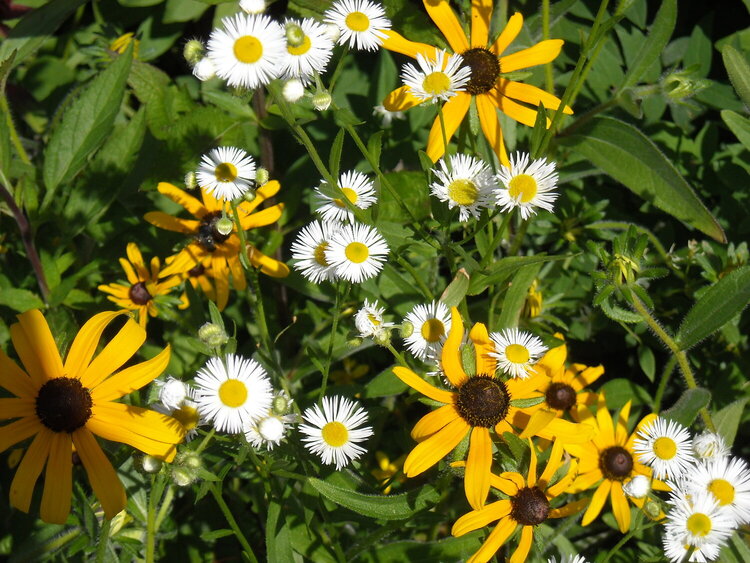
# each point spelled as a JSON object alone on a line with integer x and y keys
{"x": 483, "y": 346}
{"x": 491, "y": 126}
{"x": 37, "y": 346}
{"x": 434, "y": 421}
{"x": 401, "y": 99}
{"x": 171, "y": 223}
{"x": 436, "y": 447}
{"x": 514, "y": 110}
{"x": 516, "y": 478}
{"x": 537, "y": 422}
{"x": 118, "y": 351}
{"x": 85, "y": 343}
{"x": 269, "y": 266}
{"x": 262, "y": 218}
{"x": 451, "y": 354}
{"x": 14, "y": 379}
{"x": 28, "y": 471}
{"x": 419, "y": 384}
{"x": 454, "y": 111}
{"x": 539, "y": 54}
{"x": 494, "y": 541}
{"x": 597, "y": 502}
{"x": 478, "y": 467}
{"x": 265, "y": 192}
{"x": 524, "y": 545}
{"x": 553, "y": 463}
{"x": 442, "y": 15}
{"x": 131, "y": 378}
{"x": 126, "y": 421}
{"x": 18, "y": 430}
{"x": 58, "y": 480}
{"x": 506, "y": 37}
{"x": 531, "y": 95}
{"x": 102, "y": 476}
{"x": 191, "y": 204}
{"x": 569, "y": 509}
{"x": 620, "y": 506}
{"x": 481, "y": 14}
{"x": 479, "y": 518}
{"x": 531, "y": 475}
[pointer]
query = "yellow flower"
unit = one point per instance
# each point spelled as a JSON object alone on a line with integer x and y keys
{"x": 490, "y": 90}
{"x": 480, "y": 402}
{"x": 608, "y": 460}
{"x": 144, "y": 287}
{"x": 528, "y": 505}
{"x": 218, "y": 254}
{"x": 121, "y": 43}
{"x": 64, "y": 404}
{"x": 350, "y": 371}
{"x": 532, "y": 306}
{"x": 387, "y": 469}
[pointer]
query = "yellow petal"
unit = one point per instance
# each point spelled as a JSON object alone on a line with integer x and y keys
{"x": 531, "y": 475}
{"x": 483, "y": 346}
{"x": 85, "y": 343}
{"x": 36, "y": 347}
{"x": 511, "y": 31}
{"x": 131, "y": 378}
{"x": 569, "y": 509}
{"x": 478, "y": 467}
{"x": 604, "y": 421}
{"x": 508, "y": 486}
{"x": 516, "y": 111}
{"x": 19, "y": 430}
{"x": 118, "y": 351}
{"x": 454, "y": 111}
{"x": 27, "y": 474}
{"x": 479, "y": 518}
{"x": 269, "y": 266}
{"x": 481, "y": 14}
{"x": 538, "y": 421}
{"x": 419, "y": 384}
{"x": 620, "y": 507}
{"x": 16, "y": 408}
{"x": 265, "y": 192}
{"x": 58, "y": 480}
{"x": 401, "y": 99}
{"x": 553, "y": 360}
{"x": 170, "y": 223}
{"x": 447, "y": 22}
{"x": 14, "y": 379}
{"x": 399, "y": 44}
{"x": 491, "y": 127}
{"x": 586, "y": 480}
{"x": 451, "y": 354}
{"x": 191, "y": 204}
{"x": 564, "y": 484}
{"x": 530, "y": 94}
{"x": 102, "y": 476}
{"x": 494, "y": 541}
{"x": 267, "y": 216}
{"x": 130, "y": 420}
{"x": 435, "y": 448}
{"x": 567, "y": 432}
{"x": 515, "y": 478}
{"x": 434, "y": 421}
{"x": 130, "y": 273}
{"x": 553, "y": 463}
{"x": 187, "y": 259}
{"x": 597, "y": 503}
{"x": 524, "y": 545}
{"x": 539, "y": 54}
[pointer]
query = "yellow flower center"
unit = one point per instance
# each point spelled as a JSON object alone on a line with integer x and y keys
{"x": 463, "y": 192}
{"x": 300, "y": 49}
{"x": 373, "y": 319}
{"x": 335, "y": 434}
{"x": 320, "y": 254}
{"x": 226, "y": 172}
{"x": 350, "y": 194}
{"x": 432, "y": 330}
{"x": 517, "y": 354}
{"x": 524, "y": 186}
{"x": 357, "y": 21}
{"x": 187, "y": 416}
{"x": 699, "y": 525}
{"x": 248, "y": 49}
{"x": 436, "y": 83}
{"x": 665, "y": 448}
{"x": 356, "y": 252}
{"x": 722, "y": 490}
{"x": 232, "y": 393}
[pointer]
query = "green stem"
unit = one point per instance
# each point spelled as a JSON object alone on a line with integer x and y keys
{"x": 518, "y": 239}
{"x": 101, "y": 549}
{"x": 446, "y": 156}
{"x": 417, "y": 279}
{"x": 339, "y": 68}
{"x": 329, "y": 354}
{"x": 496, "y": 240}
{"x": 151, "y": 522}
{"x": 548, "y": 76}
{"x": 241, "y": 234}
{"x": 624, "y": 538}
{"x": 206, "y": 440}
{"x": 233, "y": 523}
{"x": 166, "y": 504}
{"x": 665, "y": 376}
{"x": 260, "y": 314}
{"x": 396, "y": 355}
{"x": 14, "y": 137}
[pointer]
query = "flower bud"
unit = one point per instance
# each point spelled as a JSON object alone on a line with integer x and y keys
{"x": 253, "y": 6}
{"x": 321, "y": 101}
{"x": 191, "y": 181}
{"x": 261, "y": 176}
{"x": 709, "y": 446}
{"x": 271, "y": 429}
{"x": 280, "y": 403}
{"x": 382, "y": 337}
{"x": 637, "y": 487}
{"x": 172, "y": 392}
{"x": 194, "y": 51}
{"x": 182, "y": 477}
{"x": 212, "y": 335}
{"x": 249, "y": 195}
{"x": 224, "y": 225}
{"x": 407, "y": 329}
{"x": 150, "y": 464}
{"x": 294, "y": 35}
{"x": 204, "y": 69}
{"x": 651, "y": 509}
{"x": 293, "y": 90}
{"x": 354, "y": 342}
{"x": 333, "y": 31}
{"x": 189, "y": 460}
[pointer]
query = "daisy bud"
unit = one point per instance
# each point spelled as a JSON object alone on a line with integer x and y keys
{"x": 212, "y": 335}
{"x": 150, "y": 464}
{"x": 407, "y": 329}
{"x": 651, "y": 509}
{"x": 637, "y": 487}
{"x": 204, "y": 69}
{"x": 182, "y": 477}
{"x": 333, "y": 31}
{"x": 248, "y": 196}
{"x": 190, "y": 181}
{"x": 253, "y": 6}
{"x": 224, "y": 225}
{"x": 293, "y": 90}
{"x": 709, "y": 446}
{"x": 280, "y": 403}
{"x": 382, "y": 337}
{"x": 261, "y": 177}
{"x": 172, "y": 392}
{"x": 354, "y": 342}
{"x": 294, "y": 35}
{"x": 271, "y": 429}
{"x": 321, "y": 101}
{"x": 189, "y": 460}
{"x": 194, "y": 51}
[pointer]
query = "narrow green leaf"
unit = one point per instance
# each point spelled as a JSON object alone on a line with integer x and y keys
{"x": 647, "y": 362}
{"x": 20, "y": 300}
{"x": 390, "y": 507}
{"x": 214, "y": 535}
{"x": 658, "y": 36}
{"x": 215, "y": 315}
{"x": 728, "y": 419}
{"x": 738, "y": 70}
{"x": 516, "y": 296}
{"x": 278, "y": 542}
{"x": 456, "y": 290}
{"x": 447, "y": 549}
{"x": 526, "y": 403}
{"x": 686, "y": 409}
{"x": 5, "y": 68}
{"x": 375, "y": 146}
{"x": 717, "y": 306}
{"x": 503, "y": 269}
{"x": 334, "y": 159}
{"x": 85, "y": 124}
{"x": 540, "y": 127}
{"x": 623, "y": 152}
{"x": 739, "y": 125}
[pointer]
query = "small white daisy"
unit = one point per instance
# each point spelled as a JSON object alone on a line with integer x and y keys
{"x": 526, "y": 186}
{"x": 467, "y": 183}
{"x": 666, "y": 446}
{"x": 172, "y": 392}
{"x": 309, "y": 252}
{"x": 357, "y": 252}
{"x": 708, "y": 446}
{"x": 638, "y": 487}
{"x": 369, "y": 320}
{"x": 233, "y": 393}
{"x": 516, "y": 351}
{"x": 248, "y": 51}
{"x": 436, "y": 79}
{"x": 270, "y": 430}
{"x": 308, "y": 48}
{"x": 697, "y": 520}
{"x": 360, "y": 22}
{"x": 386, "y": 116}
{"x": 357, "y": 188}
{"x": 334, "y": 432}
{"x": 728, "y": 480}
{"x": 226, "y": 172}
{"x": 431, "y": 323}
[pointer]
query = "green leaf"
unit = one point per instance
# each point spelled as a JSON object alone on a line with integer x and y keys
{"x": 85, "y": 124}
{"x": 659, "y": 34}
{"x": 150, "y": 87}
{"x": 503, "y": 269}
{"x": 456, "y": 290}
{"x": 728, "y": 419}
{"x": 623, "y": 152}
{"x": 213, "y": 535}
{"x": 390, "y": 507}
{"x": 334, "y": 159}
{"x": 717, "y": 306}
{"x": 375, "y": 146}
{"x": 619, "y": 391}
{"x": 515, "y": 297}
{"x": 738, "y": 70}
{"x": 540, "y": 126}
{"x": 647, "y": 362}
{"x": 20, "y": 300}
{"x": 278, "y": 542}
{"x": 385, "y": 384}
{"x": 525, "y": 403}
{"x": 739, "y": 125}
{"x": 686, "y": 409}
{"x": 448, "y": 549}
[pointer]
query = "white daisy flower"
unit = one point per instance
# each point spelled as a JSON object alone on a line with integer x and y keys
{"x": 357, "y": 188}
{"x": 334, "y": 431}
{"x": 697, "y": 520}
{"x": 187, "y": 414}
{"x": 357, "y": 252}
{"x": 431, "y": 323}
{"x": 708, "y": 446}
{"x": 386, "y": 116}
{"x": 369, "y": 320}
{"x": 360, "y": 22}
{"x": 270, "y": 430}
{"x": 436, "y": 79}
{"x": 568, "y": 559}
{"x": 516, "y": 351}
{"x": 526, "y": 186}
{"x": 675, "y": 549}
{"x": 728, "y": 480}
{"x": 638, "y": 487}
{"x": 226, "y": 172}
{"x": 309, "y": 252}
{"x": 233, "y": 393}
{"x": 308, "y": 48}
{"x": 467, "y": 183}
{"x": 172, "y": 392}
{"x": 666, "y": 446}
{"x": 248, "y": 51}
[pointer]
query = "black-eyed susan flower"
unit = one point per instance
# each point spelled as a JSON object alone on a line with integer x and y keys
{"x": 528, "y": 505}
{"x": 145, "y": 285}
{"x": 526, "y": 185}
{"x": 466, "y": 183}
{"x": 64, "y": 404}
{"x": 219, "y": 254}
{"x": 608, "y": 461}
{"x": 361, "y": 23}
{"x": 665, "y": 446}
{"x": 479, "y": 402}
{"x": 487, "y": 85}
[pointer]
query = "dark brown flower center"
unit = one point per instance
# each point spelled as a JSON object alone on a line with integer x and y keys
{"x": 560, "y": 396}
{"x": 197, "y": 271}
{"x": 208, "y": 235}
{"x": 483, "y": 401}
{"x": 485, "y": 69}
{"x": 63, "y": 404}
{"x": 139, "y": 294}
{"x": 529, "y": 506}
{"x": 616, "y": 463}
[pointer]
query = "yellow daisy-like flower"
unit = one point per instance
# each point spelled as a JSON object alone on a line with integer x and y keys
{"x": 490, "y": 90}
{"x": 219, "y": 254}
{"x": 480, "y": 402}
{"x": 528, "y": 505}
{"x": 143, "y": 285}
{"x": 608, "y": 461}
{"x": 63, "y": 405}
{"x": 387, "y": 470}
